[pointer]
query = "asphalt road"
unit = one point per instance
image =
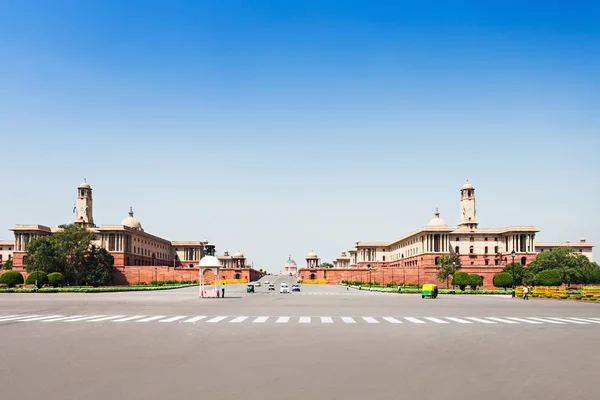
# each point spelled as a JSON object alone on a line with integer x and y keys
{"x": 324, "y": 343}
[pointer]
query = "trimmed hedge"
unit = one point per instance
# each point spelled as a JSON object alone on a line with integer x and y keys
{"x": 40, "y": 276}
{"x": 503, "y": 280}
{"x": 91, "y": 289}
{"x": 11, "y": 278}
{"x": 55, "y": 279}
{"x": 549, "y": 277}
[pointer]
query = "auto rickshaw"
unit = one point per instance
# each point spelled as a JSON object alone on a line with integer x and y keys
{"x": 429, "y": 290}
{"x": 250, "y": 289}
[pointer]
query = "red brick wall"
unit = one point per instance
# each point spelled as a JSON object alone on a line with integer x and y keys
{"x": 134, "y": 274}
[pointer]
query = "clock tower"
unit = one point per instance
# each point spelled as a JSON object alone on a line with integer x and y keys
{"x": 468, "y": 212}
{"x": 83, "y": 206}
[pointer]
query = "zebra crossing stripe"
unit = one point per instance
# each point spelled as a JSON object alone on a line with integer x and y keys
{"x": 39, "y": 318}
{"x": 370, "y": 320}
{"x": 237, "y": 320}
{"x": 304, "y": 320}
{"x": 326, "y": 320}
{"x": 436, "y": 320}
{"x": 524, "y": 320}
{"x": 503, "y": 320}
{"x": 19, "y": 317}
{"x": 566, "y": 320}
{"x": 173, "y": 319}
{"x": 129, "y": 318}
{"x": 260, "y": 320}
{"x": 195, "y": 319}
{"x": 392, "y": 320}
{"x": 82, "y": 318}
{"x": 548, "y": 321}
{"x": 585, "y": 320}
{"x": 62, "y": 318}
{"x": 348, "y": 320}
{"x": 414, "y": 320}
{"x": 151, "y": 318}
{"x": 459, "y": 320}
{"x": 105, "y": 318}
{"x": 282, "y": 320}
{"x": 483, "y": 321}
{"x": 7, "y": 317}
{"x": 216, "y": 319}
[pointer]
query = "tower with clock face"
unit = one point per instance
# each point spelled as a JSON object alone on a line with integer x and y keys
{"x": 83, "y": 206}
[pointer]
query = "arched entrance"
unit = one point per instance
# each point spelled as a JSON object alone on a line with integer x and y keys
{"x": 237, "y": 276}
{"x": 312, "y": 277}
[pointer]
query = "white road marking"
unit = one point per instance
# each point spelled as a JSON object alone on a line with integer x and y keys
{"x": 237, "y": 320}
{"x": 39, "y": 318}
{"x": 19, "y": 317}
{"x": 483, "y": 321}
{"x": 506, "y": 321}
{"x": 282, "y": 320}
{"x": 195, "y": 319}
{"x": 414, "y": 320}
{"x": 548, "y": 321}
{"x": 392, "y": 320}
{"x": 216, "y": 319}
{"x": 585, "y": 320}
{"x": 326, "y": 320}
{"x": 348, "y": 320}
{"x": 62, "y": 318}
{"x": 304, "y": 320}
{"x": 10, "y": 316}
{"x": 459, "y": 320}
{"x": 260, "y": 320}
{"x": 570, "y": 321}
{"x": 173, "y": 319}
{"x": 83, "y": 318}
{"x": 524, "y": 320}
{"x": 105, "y": 318}
{"x": 436, "y": 320}
{"x": 370, "y": 320}
{"x": 129, "y": 318}
{"x": 151, "y": 318}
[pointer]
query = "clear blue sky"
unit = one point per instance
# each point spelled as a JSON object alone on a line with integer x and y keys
{"x": 278, "y": 128}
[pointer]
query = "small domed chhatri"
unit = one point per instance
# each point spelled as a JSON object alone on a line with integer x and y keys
{"x": 238, "y": 255}
{"x": 131, "y": 221}
{"x": 467, "y": 185}
{"x": 312, "y": 255}
{"x": 84, "y": 184}
{"x": 437, "y": 221}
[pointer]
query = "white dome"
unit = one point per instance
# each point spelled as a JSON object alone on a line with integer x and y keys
{"x": 467, "y": 186}
{"x": 84, "y": 184}
{"x": 437, "y": 221}
{"x": 131, "y": 221}
{"x": 238, "y": 255}
{"x": 210, "y": 261}
{"x": 291, "y": 264}
{"x": 312, "y": 255}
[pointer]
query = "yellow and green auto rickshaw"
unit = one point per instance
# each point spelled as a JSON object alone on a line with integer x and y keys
{"x": 429, "y": 290}
{"x": 250, "y": 289}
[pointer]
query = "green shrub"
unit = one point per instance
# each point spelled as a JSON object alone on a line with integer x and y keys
{"x": 549, "y": 277}
{"x": 40, "y": 276}
{"x": 460, "y": 279}
{"x": 503, "y": 280}
{"x": 475, "y": 281}
{"x": 11, "y": 278}
{"x": 55, "y": 279}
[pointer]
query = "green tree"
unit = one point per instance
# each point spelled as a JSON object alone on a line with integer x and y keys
{"x": 460, "y": 279}
{"x": 446, "y": 266}
{"x": 475, "y": 281}
{"x": 326, "y": 265}
{"x": 97, "y": 270}
{"x": 39, "y": 276}
{"x": 548, "y": 277}
{"x": 520, "y": 272}
{"x": 572, "y": 266}
{"x": 7, "y": 266}
{"x": 42, "y": 254}
{"x": 503, "y": 280}
{"x": 11, "y": 278}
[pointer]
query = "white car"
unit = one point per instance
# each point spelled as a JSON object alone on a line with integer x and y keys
{"x": 284, "y": 288}
{"x": 266, "y": 282}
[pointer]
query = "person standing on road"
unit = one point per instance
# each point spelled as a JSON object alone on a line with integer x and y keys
{"x": 525, "y": 292}
{"x": 223, "y": 290}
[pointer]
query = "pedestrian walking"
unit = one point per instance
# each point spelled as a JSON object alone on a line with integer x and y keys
{"x": 525, "y": 292}
{"x": 223, "y": 290}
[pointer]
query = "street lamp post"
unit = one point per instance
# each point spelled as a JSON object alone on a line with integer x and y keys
{"x": 403, "y": 272}
{"x": 370, "y": 279}
{"x": 453, "y": 271}
{"x": 513, "y": 273}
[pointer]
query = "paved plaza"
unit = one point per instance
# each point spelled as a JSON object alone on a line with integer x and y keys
{"x": 325, "y": 342}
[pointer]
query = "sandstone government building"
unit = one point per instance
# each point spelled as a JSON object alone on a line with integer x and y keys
{"x": 412, "y": 258}
{"x": 133, "y": 249}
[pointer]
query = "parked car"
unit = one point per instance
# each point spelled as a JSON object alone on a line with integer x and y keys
{"x": 295, "y": 288}
{"x": 271, "y": 287}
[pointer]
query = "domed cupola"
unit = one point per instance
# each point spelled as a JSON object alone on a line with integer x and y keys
{"x": 132, "y": 222}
